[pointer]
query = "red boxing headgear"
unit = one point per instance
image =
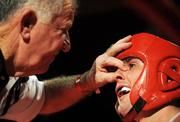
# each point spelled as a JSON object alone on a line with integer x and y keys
{"x": 159, "y": 82}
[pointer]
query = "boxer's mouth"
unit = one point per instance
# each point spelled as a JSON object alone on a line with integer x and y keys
{"x": 122, "y": 91}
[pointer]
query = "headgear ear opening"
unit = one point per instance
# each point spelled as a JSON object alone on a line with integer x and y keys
{"x": 169, "y": 74}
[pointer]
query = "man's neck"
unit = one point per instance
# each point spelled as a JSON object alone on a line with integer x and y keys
{"x": 162, "y": 115}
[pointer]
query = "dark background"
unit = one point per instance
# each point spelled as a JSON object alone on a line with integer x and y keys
{"x": 97, "y": 25}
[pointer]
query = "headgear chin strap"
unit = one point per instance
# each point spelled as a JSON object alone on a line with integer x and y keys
{"x": 159, "y": 82}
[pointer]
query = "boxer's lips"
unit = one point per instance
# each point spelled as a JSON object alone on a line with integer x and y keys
{"x": 123, "y": 90}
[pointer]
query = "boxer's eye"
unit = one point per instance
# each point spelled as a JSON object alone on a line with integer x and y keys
{"x": 131, "y": 65}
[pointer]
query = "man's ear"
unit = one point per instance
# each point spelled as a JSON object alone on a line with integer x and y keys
{"x": 28, "y": 21}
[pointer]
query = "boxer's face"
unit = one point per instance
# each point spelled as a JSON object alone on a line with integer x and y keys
{"x": 124, "y": 85}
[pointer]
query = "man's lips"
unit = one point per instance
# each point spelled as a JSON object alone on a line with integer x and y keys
{"x": 123, "y": 90}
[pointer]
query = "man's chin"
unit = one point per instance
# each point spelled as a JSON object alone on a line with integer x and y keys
{"x": 123, "y": 111}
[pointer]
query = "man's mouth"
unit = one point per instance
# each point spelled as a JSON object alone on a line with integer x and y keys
{"x": 123, "y": 91}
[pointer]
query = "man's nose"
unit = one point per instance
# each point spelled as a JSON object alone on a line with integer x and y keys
{"x": 67, "y": 43}
{"x": 121, "y": 74}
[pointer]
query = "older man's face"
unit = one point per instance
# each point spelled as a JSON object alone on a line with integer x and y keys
{"x": 125, "y": 83}
{"x": 46, "y": 41}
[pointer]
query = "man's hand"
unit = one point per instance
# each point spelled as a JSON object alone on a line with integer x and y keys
{"x": 105, "y": 65}
{"x": 62, "y": 92}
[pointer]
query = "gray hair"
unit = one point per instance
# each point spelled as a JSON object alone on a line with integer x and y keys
{"x": 45, "y": 9}
{"x": 8, "y": 7}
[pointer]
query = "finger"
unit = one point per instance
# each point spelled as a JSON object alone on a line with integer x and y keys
{"x": 107, "y": 78}
{"x": 116, "y": 48}
{"x": 114, "y": 62}
{"x": 125, "y": 39}
{"x": 119, "y": 46}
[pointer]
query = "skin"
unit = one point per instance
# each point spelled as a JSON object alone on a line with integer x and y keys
{"x": 128, "y": 78}
{"x": 36, "y": 45}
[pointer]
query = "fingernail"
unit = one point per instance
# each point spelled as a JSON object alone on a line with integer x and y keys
{"x": 130, "y": 43}
{"x": 129, "y": 36}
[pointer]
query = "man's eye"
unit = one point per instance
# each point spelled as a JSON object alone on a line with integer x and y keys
{"x": 131, "y": 65}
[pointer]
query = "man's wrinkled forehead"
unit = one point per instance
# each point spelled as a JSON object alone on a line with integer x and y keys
{"x": 70, "y": 6}
{"x": 69, "y": 9}
{"x": 66, "y": 14}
